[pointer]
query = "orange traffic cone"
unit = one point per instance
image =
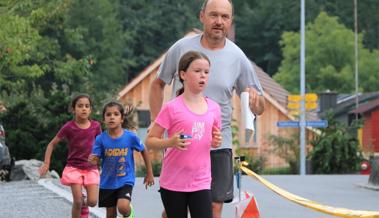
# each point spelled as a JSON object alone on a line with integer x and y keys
{"x": 251, "y": 210}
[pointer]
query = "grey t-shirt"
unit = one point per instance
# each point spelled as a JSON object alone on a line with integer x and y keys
{"x": 230, "y": 69}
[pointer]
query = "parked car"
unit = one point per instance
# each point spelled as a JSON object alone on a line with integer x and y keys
{"x": 6, "y": 161}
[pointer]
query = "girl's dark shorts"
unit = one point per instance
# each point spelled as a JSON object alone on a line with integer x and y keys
{"x": 109, "y": 197}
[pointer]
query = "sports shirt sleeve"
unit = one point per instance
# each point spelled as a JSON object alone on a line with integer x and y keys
{"x": 248, "y": 77}
{"x": 138, "y": 144}
{"x": 164, "y": 119}
{"x": 62, "y": 133}
{"x": 98, "y": 131}
{"x": 168, "y": 68}
{"x": 98, "y": 148}
{"x": 217, "y": 115}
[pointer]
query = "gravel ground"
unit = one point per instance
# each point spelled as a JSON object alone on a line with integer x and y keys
{"x": 30, "y": 200}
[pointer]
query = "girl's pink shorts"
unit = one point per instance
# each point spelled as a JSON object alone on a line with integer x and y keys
{"x": 73, "y": 175}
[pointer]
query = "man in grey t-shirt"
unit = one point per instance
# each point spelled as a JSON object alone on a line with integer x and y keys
{"x": 230, "y": 70}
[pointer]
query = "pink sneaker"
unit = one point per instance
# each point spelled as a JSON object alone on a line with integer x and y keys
{"x": 84, "y": 211}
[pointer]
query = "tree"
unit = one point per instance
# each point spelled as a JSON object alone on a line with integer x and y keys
{"x": 31, "y": 121}
{"x": 32, "y": 55}
{"x": 17, "y": 48}
{"x": 368, "y": 18}
{"x": 97, "y": 35}
{"x": 36, "y": 73}
{"x": 259, "y": 24}
{"x": 329, "y": 59}
{"x": 287, "y": 148}
{"x": 336, "y": 149}
{"x": 153, "y": 26}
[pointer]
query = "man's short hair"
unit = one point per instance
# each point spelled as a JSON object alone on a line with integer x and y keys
{"x": 206, "y": 2}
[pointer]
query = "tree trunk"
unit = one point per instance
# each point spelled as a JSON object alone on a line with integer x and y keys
{"x": 374, "y": 175}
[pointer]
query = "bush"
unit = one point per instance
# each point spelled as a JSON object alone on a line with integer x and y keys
{"x": 336, "y": 149}
{"x": 255, "y": 162}
{"x": 278, "y": 171}
{"x": 288, "y": 149}
{"x": 32, "y": 120}
{"x": 156, "y": 165}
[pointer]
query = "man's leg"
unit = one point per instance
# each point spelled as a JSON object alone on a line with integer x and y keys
{"x": 217, "y": 209}
{"x": 164, "y": 215}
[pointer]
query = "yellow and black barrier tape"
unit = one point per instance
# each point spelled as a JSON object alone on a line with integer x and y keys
{"x": 335, "y": 211}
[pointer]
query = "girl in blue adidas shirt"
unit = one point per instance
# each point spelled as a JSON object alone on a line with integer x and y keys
{"x": 114, "y": 147}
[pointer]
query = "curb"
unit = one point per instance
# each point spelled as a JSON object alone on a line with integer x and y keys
{"x": 48, "y": 184}
{"x": 368, "y": 186}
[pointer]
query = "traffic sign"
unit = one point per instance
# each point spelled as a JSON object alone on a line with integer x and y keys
{"x": 288, "y": 123}
{"x": 295, "y": 98}
{"x": 311, "y": 105}
{"x": 311, "y": 97}
{"x": 296, "y": 124}
{"x": 292, "y": 105}
{"x": 317, "y": 123}
{"x": 293, "y": 101}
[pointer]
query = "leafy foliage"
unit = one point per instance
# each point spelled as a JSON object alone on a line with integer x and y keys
{"x": 156, "y": 165}
{"x": 152, "y": 26}
{"x": 50, "y": 49}
{"x": 30, "y": 127}
{"x": 287, "y": 148}
{"x": 335, "y": 150}
{"x": 255, "y": 162}
{"x": 260, "y": 23}
{"x": 97, "y": 35}
{"x": 17, "y": 47}
{"x": 329, "y": 59}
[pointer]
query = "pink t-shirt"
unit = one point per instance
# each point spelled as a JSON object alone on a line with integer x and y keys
{"x": 188, "y": 170}
{"x": 80, "y": 142}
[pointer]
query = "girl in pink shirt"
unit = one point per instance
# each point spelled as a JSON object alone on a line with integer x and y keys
{"x": 189, "y": 119}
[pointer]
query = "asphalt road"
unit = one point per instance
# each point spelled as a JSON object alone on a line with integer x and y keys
{"x": 49, "y": 199}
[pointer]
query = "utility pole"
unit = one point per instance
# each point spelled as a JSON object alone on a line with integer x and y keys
{"x": 356, "y": 54}
{"x": 302, "y": 89}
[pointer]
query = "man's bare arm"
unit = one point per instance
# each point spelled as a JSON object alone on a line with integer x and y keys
{"x": 259, "y": 108}
{"x": 156, "y": 97}
{"x": 256, "y": 101}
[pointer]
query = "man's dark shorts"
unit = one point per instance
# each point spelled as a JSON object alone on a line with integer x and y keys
{"x": 222, "y": 175}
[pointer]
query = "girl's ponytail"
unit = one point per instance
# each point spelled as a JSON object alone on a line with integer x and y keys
{"x": 127, "y": 113}
{"x": 180, "y": 91}
{"x": 128, "y": 118}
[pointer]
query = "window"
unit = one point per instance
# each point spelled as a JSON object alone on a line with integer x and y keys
{"x": 143, "y": 118}
{"x": 249, "y": 137}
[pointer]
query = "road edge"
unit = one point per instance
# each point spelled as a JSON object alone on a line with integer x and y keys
{"x": 48, "y": 184}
